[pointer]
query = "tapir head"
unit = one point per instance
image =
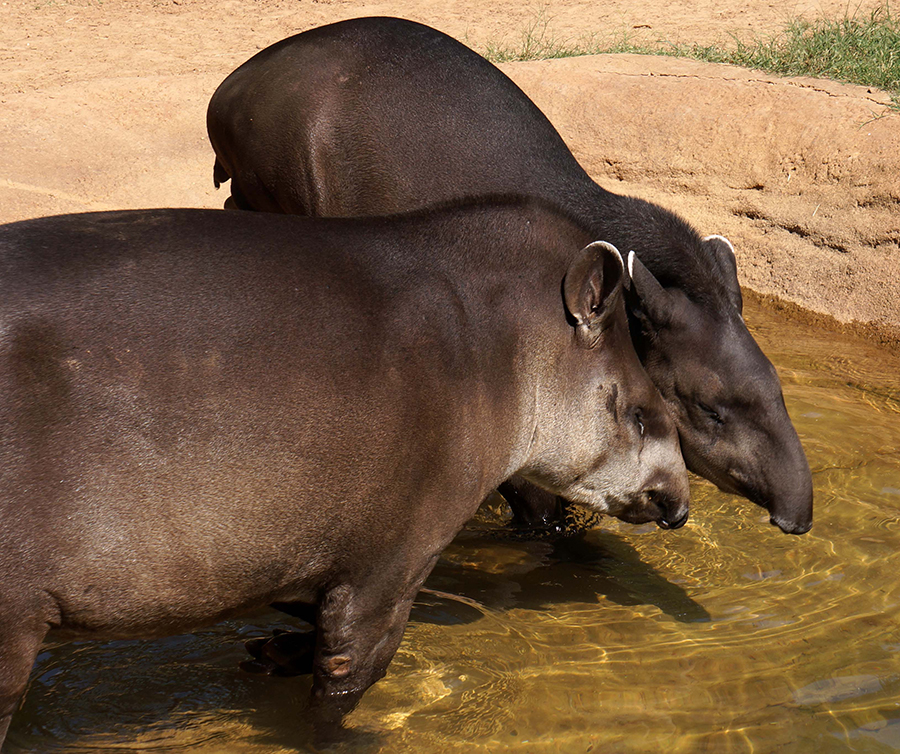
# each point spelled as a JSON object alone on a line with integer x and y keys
{"x": 722, "y": 391}
{"x": 604, "y": 438}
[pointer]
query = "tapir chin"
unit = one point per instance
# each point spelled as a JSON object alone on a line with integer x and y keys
{"x": 205, "y": 412}
{"x": 378, "y": 115}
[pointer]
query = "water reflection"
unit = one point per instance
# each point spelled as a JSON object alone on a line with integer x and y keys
{"x": 725, "y": 636}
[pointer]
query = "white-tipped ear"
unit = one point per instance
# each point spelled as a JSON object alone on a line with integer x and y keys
{"x": 648, "y": 300}
{"x": 722, "y": 252}
{"x": 724, "y": 240}
{"x": 592, "y": 290}
{"x": 609, "y": 247}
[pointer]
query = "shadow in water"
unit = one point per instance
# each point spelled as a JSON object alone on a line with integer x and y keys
{"x": 490, "y": 569}
{"x": 485, "y": 569}
{"x": 501, "y": 575}
{"x": 188, "y": 693}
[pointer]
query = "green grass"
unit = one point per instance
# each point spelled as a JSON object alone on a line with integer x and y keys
{"x": 856, "y": 50}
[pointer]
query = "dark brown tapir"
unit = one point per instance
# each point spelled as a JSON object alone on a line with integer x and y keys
{"x": 379, "y": 115}
{"x": 205, "y": 412}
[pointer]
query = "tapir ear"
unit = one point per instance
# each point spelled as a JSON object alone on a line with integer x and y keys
{"x": 648, "y": 301}
{"x": 721, "y": 250}
{"x": 592, "y": 289}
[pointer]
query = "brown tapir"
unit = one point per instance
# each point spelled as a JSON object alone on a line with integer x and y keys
{"x": 378, "y": 115}
{"x": 204, "y": 412}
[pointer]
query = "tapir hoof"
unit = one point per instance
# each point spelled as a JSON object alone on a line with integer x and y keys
{"x": 287, "y": 653}
{"x": 255, "y": 646}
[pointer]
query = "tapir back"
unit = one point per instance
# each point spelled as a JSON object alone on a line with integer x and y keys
{"x": 314, "y": 136}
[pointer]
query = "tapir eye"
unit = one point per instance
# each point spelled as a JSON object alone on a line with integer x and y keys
{"x": 713, "y": 415}
{"x": 639, "y": 421}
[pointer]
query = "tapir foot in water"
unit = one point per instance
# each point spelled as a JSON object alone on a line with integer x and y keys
{"x": 532, "y": 507}
{"x": 285, "y": 653}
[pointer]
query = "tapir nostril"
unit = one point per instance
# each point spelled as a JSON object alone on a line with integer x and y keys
{"x": 666, "y": 523}
{"x": 673, "y": 512}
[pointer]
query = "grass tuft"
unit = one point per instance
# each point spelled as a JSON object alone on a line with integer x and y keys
{"x": 538, "y": 44}
{"x": 855, "y": 50}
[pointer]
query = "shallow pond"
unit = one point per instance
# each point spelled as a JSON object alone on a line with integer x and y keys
{"x": 724, "y": 636}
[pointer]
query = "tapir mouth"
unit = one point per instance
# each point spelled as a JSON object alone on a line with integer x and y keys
{"x": 650, "y": 507}
{"x": 736, "y": 486}
{"x": 789, "y": 527}
{"x": 665, "y": 523}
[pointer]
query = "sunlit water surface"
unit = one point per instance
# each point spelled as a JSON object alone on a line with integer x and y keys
{"x": 724, "y": 636}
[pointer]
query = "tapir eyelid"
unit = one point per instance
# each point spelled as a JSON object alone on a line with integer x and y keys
{"x": 639, "y": 418}
{"x": 711, "y": 413}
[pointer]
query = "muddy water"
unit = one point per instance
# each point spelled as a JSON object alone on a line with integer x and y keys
{"x": 724, "y": 636}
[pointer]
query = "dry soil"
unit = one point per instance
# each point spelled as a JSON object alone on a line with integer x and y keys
{"x": 102, "y": 105}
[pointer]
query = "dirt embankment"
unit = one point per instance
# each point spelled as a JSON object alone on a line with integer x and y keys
{"x": 103, "y": 106}
{"x": 802, "y": 175}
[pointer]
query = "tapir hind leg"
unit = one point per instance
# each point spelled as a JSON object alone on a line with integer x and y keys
{"x": 19, "y": 646}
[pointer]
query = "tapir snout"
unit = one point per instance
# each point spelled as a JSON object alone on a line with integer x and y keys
{"x": 785, "y": 487}
{"x": 665, "y": 500}
{"x": 786, "y": 491}
{"x": 669, "y": 500}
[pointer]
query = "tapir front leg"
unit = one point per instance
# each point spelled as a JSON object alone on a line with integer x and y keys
{"x": 532, "y": 507}
{"x": 358, "y": 630}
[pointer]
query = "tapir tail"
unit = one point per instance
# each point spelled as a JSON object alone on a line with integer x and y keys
{"x": 220, "y": 174}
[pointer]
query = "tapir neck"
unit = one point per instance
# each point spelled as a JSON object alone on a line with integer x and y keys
{"x": 526, "y": 335}
{"x": 667, "y": 245}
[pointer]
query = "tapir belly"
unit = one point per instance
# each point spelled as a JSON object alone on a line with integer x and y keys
{"x": 144, "y": 555}
{"x": 137, "y": 523}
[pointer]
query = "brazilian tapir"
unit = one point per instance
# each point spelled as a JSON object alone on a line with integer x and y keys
{"x": 378, "y": 115}
{"x": 203, "y": 412}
